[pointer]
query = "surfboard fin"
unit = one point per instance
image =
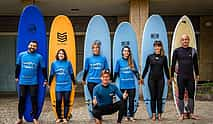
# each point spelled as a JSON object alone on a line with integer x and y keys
{"x": 79, "y": 76}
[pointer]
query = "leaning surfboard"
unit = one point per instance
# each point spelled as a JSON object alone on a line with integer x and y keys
{"x": 125, "y": 36}
{"x": 32, "y": 27}
{"x": 62, "y": 37}
{"x": 154, "y": 30}
{"x": 184, "y": 26}
{"x": 97, "y": 29}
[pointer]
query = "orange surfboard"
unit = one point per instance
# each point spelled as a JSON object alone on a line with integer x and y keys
{"x": 62, "y": 37}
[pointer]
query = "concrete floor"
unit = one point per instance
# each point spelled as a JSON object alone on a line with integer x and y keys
{"x": 8, "y": 113}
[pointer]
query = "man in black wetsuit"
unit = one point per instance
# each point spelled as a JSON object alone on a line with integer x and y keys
{"x": 187, "y": 64}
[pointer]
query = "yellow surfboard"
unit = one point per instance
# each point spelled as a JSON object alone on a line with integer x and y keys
{"x": 62, "y": 37}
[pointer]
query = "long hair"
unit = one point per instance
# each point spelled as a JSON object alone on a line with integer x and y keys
{"x": 159, "y": 43}
{"x": 130, "y": 58}
{"x": 65, "y": 54}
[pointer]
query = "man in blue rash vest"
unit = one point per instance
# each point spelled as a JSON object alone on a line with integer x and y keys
{"x": 103, "y": 99}
{"x": 27, "y": 65}
{"x": 187, "y": 64}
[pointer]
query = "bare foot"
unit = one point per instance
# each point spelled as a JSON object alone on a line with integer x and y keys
{"x": 64, "y": 121}
{"x": 181, "y": 117}
{"x": 98, "y": 121}
{"x": 195, "y": 117}
{"x": 126, "y": 119}
{"x": 132, "y": 119}
{"x": 159, "y": 117}
{"x": 153, "y": 118}
{"x": 19, "y": 121}
{"x": 58, "y": 121}
{"x": 35, "y": 121}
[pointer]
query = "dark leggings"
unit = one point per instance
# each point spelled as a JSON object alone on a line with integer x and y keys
{"x": 189, "y": 85}
{"x": 156, "y": 88}
{"x": 131, "y": 97}
{"x": 91, "y": 86}
{"x": 23, "y": 90}
{"x": 59, "y": 96}
{"x": 99, "y": 111}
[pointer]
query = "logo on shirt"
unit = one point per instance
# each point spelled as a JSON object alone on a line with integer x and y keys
{"x": 96, "y": 66}
{"x": 125, "y": 69}
{"x": 29, "y": 65}
{"x": 157, "y": 58}
{"x": 60, "y": 71}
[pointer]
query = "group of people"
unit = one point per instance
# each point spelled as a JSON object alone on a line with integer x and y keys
{"x": 97, "y": 77}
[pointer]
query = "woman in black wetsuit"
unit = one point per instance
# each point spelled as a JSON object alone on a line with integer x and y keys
{"x": 158, "y": 65}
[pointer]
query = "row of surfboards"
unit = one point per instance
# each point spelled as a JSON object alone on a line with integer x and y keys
{"x": 32, "y": 27}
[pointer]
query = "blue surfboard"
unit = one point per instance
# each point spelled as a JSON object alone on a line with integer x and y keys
{"x": 154, "y": 30}
{"x": 97, "y": 29}
{"x": 32, "y": 27}
{"x": 125, "y": 36}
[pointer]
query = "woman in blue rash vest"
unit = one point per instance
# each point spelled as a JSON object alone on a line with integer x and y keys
{"x": 93, "y": 67}
{"x": 62, "y": 69}
{"x": 158, "y": 65}
{"x": 126, "y": 69}
{"x": 103, "y": 99}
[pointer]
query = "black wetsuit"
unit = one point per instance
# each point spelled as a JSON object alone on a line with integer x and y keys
{"x": 187, "y": 65}
{"x": 158, "y": 65}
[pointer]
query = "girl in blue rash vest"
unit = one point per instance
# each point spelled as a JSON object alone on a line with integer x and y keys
{"x": 27, "y": 65}
{"x": 126, "y": 69}
{"x": 63, "y": 71}
{"x": 158, "y": 65}
{"x": 103, "y": 99}
{"x": 93, "y": 67}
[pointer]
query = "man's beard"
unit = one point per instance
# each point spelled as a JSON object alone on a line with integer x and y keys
{"x": 32, "y": 50}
